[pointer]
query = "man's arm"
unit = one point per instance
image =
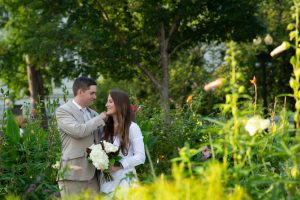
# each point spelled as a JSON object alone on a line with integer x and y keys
{"x": 67, "y": 123}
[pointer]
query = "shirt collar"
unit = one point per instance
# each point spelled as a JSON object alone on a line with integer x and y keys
{"x": 77, "y": 105}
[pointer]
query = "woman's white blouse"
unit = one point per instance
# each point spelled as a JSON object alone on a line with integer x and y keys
{"x": 135, "y": 156}
{"x": 136, "y": 152}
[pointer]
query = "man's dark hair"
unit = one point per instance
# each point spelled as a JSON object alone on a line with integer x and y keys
{"x": 82, "y": 83}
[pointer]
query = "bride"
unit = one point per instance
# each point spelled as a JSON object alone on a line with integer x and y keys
{"x": 123, "y": 132}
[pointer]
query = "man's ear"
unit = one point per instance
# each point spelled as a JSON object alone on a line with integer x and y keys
{"x": 79, "y": 91}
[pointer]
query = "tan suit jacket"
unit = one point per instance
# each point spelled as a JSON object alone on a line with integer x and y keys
{"x": 77, "y": 135}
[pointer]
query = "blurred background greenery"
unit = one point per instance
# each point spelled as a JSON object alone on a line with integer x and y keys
{"x": 162, "y": 53}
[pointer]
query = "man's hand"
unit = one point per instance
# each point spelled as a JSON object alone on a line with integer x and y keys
{"x": 104, "y": 116}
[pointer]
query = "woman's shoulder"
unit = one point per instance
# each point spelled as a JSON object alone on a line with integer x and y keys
{"x": 134, "y": 125}
{"x": 134, "y": 129}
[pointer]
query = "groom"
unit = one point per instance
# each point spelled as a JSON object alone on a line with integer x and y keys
{"x": 79, "y": 128}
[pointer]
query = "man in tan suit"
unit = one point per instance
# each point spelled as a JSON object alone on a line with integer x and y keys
{"x": 79, "y": 128}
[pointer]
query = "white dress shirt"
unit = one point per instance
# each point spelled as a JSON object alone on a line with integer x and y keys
{"x": 85, "y": 110}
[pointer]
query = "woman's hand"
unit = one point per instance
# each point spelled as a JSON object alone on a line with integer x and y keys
{"x": 115, "y": 168}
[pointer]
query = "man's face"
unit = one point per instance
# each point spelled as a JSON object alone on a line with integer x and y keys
{"x": 88, "y": 96}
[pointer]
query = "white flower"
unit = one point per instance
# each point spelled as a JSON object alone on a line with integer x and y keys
{"x": 8, "y": 102}
{"x": 109, "y": 147}
{"x": 256, "y": 124}
{"x": 257, "y": 41}
{"x": 99, "y": 157}
{"x": 56, "y": 165}
{"x": 284, "y": 46}
{"x": 268, "y": 39}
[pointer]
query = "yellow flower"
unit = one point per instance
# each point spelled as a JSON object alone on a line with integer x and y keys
{"x": 295, "y": 172}
{"x": 189, "y": 99}
{"x": 253, "y": 81}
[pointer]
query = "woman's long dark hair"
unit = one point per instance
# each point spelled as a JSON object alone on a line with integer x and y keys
{"x": 124, "y": 116}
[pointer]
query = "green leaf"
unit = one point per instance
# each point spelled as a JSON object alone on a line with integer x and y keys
{"x": 12, "y": 131}
{"x": 213, "y": 121}
{"x": 286, "y": 149}
{"x": 293, "y": 60}
{"x": 290, "y": 27}
{"x": 293, "y": 35}
{"x": 285, "y": 95}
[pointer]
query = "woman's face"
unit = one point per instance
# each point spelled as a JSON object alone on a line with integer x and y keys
{"x": 110, "y": 105}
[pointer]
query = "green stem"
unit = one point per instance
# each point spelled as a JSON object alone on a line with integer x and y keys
{"x": 296, "y": 67}
{"x": 211, "y": 146}
{"x": 150, "y": 161}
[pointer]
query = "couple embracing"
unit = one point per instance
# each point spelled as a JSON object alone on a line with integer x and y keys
{"x": 80, "y": 127}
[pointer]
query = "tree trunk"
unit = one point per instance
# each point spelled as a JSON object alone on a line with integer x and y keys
{"x": 36, "y": 88}
{"x": 164, "y": 89}
{"x": 161, "y": 86}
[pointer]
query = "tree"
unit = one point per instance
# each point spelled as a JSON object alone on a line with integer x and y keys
{"x": 121, "y": 39}
{"x": 146, "y": 35}
{"x": 32, "y": 38}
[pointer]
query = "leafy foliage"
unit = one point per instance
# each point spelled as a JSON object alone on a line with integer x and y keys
{"x": 112, "y": 38}
{"x": 26, "y": 160}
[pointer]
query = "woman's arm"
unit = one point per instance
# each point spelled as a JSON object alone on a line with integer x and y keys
{"x": 137, "y": 143}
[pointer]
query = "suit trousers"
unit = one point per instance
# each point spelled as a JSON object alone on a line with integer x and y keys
{"x": 68, "y": 187}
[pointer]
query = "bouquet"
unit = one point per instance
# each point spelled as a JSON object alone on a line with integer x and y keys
{"x": 102, "y": 156}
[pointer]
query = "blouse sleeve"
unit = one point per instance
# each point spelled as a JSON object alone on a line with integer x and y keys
{"x": 136, "y": 140}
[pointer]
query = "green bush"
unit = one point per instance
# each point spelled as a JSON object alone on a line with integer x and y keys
{"x": 26, "y": 161}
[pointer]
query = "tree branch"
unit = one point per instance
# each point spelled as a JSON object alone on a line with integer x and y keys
{"x": 107, "y": 19}
{"x": 178, "y": 46}
{"x": 174, "y": 26}
{"x": 104, "y": 14}
{"x": 150, "y": 75}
